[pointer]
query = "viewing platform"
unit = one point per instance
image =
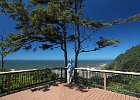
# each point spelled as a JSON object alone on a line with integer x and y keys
{"x": 50, "y": 84}
{"x": 64, "y": 91}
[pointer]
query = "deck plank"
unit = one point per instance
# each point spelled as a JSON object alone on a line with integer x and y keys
{"x": 64, "y": 91}
{"x": 99, "y": 95}
{"x": 95, "y": 94}
{"x": 111, "y": 96}
{"x": 123, "y": 97}
{"x": 119, "y": 96}
{"x": 91, "y": 96}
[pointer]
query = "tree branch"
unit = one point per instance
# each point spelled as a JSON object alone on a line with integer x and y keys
{"x": 89, "y": 35}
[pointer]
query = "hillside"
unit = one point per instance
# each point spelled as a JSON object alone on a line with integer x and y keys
{"x": 129, "y": 61}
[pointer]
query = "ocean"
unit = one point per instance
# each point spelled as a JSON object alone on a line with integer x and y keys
{"x": 38, "y": 64}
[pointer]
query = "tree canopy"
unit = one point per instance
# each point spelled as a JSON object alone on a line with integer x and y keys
{"x": 46, "y": 22}
{"x": 43, "y": 21}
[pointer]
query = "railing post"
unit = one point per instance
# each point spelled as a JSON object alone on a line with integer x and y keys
{"x": 83, "y": 75}
{"x": 75, "y": 75}
{"x": 61, "y": 72}
{"x": 104, "y": 80}
{"x": 65, "y": 74}
{"x": 9, "y": 83}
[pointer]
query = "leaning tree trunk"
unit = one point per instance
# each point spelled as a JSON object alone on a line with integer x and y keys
{"x": 2, "y": 55}
{"x": 2, "y": 62}
{"x": 76, "y": 59}
{"x": 76, "y": 63}
{"x": 65, "y": 59}
{"x": 65, "y": 50}
{"x": 65, "y": 64}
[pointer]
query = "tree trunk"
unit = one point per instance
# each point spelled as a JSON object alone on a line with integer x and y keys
{"x": 65, "y": 50}
{"x": 76, "y": 63}
{"x": 65, "y": 59}
{"x": 2, "y": 61}
{"x": 76, "y": 59}
{"x": 2, "y": 56}
{"x": 65, "y": 64}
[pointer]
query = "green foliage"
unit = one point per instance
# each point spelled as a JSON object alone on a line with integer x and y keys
{"x": 107, "y": 42}
{"x": 132, "y": 18}
{"x": 94, "y": 80}
{"x": 4, "y": 69}
{"x": 117, "y": 85}
{"x": 128, "y": 62}
{"x": 3, "y": 47}
{"x": 128, "y": 83}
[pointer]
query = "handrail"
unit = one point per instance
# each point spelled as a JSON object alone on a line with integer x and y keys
{"x": 108, "y": 71}
{"x": 29, "y": 70}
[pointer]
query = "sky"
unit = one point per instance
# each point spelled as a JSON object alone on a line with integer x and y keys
{"x": 96, "y": 10}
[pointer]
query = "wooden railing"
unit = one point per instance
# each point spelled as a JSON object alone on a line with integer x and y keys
{"x": 14, "y": 81}
{"x": 122, "y": 82}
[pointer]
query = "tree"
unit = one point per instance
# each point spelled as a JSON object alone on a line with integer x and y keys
{"x": 46, "y": 22}
{"x": 95, "y": 26}
{"x": 3, "y": 51}
{"x": 39, "y": 24}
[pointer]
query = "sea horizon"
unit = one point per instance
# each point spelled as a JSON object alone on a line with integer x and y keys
{"x": 21, "y": 64}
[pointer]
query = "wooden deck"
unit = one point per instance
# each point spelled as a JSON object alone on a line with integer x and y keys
{"x": 63, "y": 91}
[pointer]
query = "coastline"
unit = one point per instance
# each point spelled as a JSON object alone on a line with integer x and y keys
{"x": 37, "y": 64}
